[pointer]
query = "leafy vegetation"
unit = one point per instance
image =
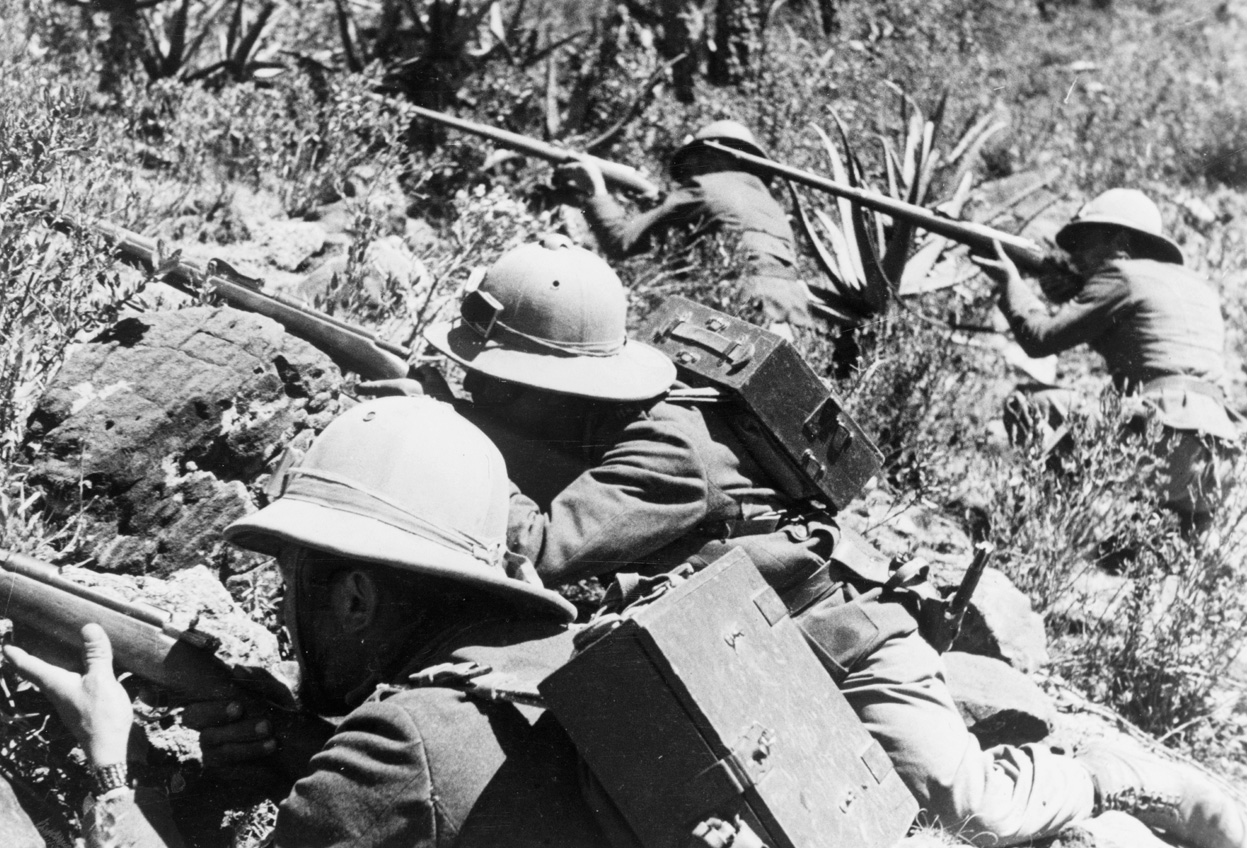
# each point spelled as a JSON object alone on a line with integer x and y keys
{"x": 159, "y": 127}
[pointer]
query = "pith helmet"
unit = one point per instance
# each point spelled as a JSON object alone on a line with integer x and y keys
{"x": 1130, "y": 209}
{"x": 408, "y": 483}
{"x": 728, "y": 133}
{"x": 551, "y": 315}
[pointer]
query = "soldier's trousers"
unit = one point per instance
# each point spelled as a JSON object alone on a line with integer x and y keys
{"x": 1000, "y": 796}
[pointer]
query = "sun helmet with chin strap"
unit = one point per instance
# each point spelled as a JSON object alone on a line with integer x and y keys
{"x": 1131, "y": 210}
{"x": 551, "y": 315}
{"x": 407, "y": 483}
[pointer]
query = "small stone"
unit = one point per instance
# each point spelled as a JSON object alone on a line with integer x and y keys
{"x": 1000, "y": 705}
{"x": 1000, "y": 623}
{"x": 288, "y": 244}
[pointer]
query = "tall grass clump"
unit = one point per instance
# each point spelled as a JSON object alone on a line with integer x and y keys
{"x": 51, "y": 288}
{"x": 1144, "y": 618}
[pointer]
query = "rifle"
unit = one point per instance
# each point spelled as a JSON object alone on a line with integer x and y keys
{"x": 49, "y": 610}
{"x": 1029, "y": 256}
{"x": 352, "y": 348}
{"x": 622, "y": 176}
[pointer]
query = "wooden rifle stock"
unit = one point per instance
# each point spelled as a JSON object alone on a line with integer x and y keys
{"x": 351, "y": 347}
{"x": 1028, "y": 255}
{"x": 621, "y": 176}
{"x": 48, "y": 612}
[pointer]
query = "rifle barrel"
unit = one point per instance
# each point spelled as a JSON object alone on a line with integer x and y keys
{"x": 622, "y": 176}
{"x": 49, "y": 611}
{"x": 1028, "y": 255}
{"x": 354, "y": 348}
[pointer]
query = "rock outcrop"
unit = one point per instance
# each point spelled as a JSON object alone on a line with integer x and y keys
{"x": 155, "y": 434}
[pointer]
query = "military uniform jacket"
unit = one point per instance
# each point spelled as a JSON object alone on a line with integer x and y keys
{"x": 1149, "y": 320}
{"x": 736, "y": 201}
{"x": 670, "y": 483}
{"x": 650, "y": 488}
{"x": 433, "y": 767}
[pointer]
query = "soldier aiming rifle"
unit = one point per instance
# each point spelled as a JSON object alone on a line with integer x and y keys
{"x": 715, "y": 191}
{"x": 1158, "y": 326}
{"x": 386, "y": 574}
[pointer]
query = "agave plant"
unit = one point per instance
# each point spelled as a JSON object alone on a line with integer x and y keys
{"x": 867, "y": 258}
{"x": 176, "y": 32}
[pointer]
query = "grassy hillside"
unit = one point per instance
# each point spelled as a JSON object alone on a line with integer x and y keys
{"x": 312, "y": 110}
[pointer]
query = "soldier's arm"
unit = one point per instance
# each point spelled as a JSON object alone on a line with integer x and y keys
{"x": 370, "y": 786}
{"x": 1083, "y": 319}
{"x": 620, "y": 236}
{"x": 648, "y": 490}
{"x": 97, "y": 710}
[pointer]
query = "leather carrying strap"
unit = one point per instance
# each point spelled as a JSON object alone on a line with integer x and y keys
{"x": 809, "y": 591}
{"x": 734, "y": 351}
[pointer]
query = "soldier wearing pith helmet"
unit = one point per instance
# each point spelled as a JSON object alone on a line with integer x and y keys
{"x": 637, "y": 476}
{"x": 390, "y": 534}
{"x": 713, "y": 191}
{"x": 1158, "y": 326}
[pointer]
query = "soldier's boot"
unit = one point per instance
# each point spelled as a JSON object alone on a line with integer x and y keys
{"x": 1166, "y": 796}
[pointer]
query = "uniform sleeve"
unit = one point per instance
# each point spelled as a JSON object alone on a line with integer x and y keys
{"x": 1083, "y": 319}
{"x": 648, "y": 490}
{"x": 369, "y": 787}
{"x": 620, "y": 237}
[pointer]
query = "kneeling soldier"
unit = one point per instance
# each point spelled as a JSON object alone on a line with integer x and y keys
{"x": 390, "y": 537}
{"x": 1158, "y": 326}
{"x": 644, "y": 479}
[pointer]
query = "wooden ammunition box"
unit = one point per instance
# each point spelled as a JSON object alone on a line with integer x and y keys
{"x": 708, "y": 701}
{"x": 791, "y": 422}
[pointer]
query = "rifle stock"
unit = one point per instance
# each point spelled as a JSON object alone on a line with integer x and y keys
{"x": 48, "y": 612}
{"x": 351, "y": 347}
{"x": 1028, "y": 255}
{"x": 622, "y": 176}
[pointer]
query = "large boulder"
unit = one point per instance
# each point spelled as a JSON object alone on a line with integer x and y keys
{"x": 1000, "y": 705}
{"x": 1001, "y": 623}
{"x": 156, "y": 433}
{"x": 16, "y": 828}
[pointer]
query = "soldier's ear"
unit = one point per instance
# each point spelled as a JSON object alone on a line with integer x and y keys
{"x": 355, "y": 599}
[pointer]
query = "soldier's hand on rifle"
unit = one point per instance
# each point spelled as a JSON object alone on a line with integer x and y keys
{"x": 584, "y": 176}
{"x": 249, "y": 741}
{"x": 428, "y": 381}
{"x": 94, "y": 706}
{"x": 1001, "y": 269}
{"x": 260, "y": 739}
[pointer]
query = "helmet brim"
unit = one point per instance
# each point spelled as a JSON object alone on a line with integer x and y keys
{"x": 636, "y": 372}
{"x": 682, "y": 160}
{"x": 294, "y": 520}
{"x": 1157, "y": 247}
